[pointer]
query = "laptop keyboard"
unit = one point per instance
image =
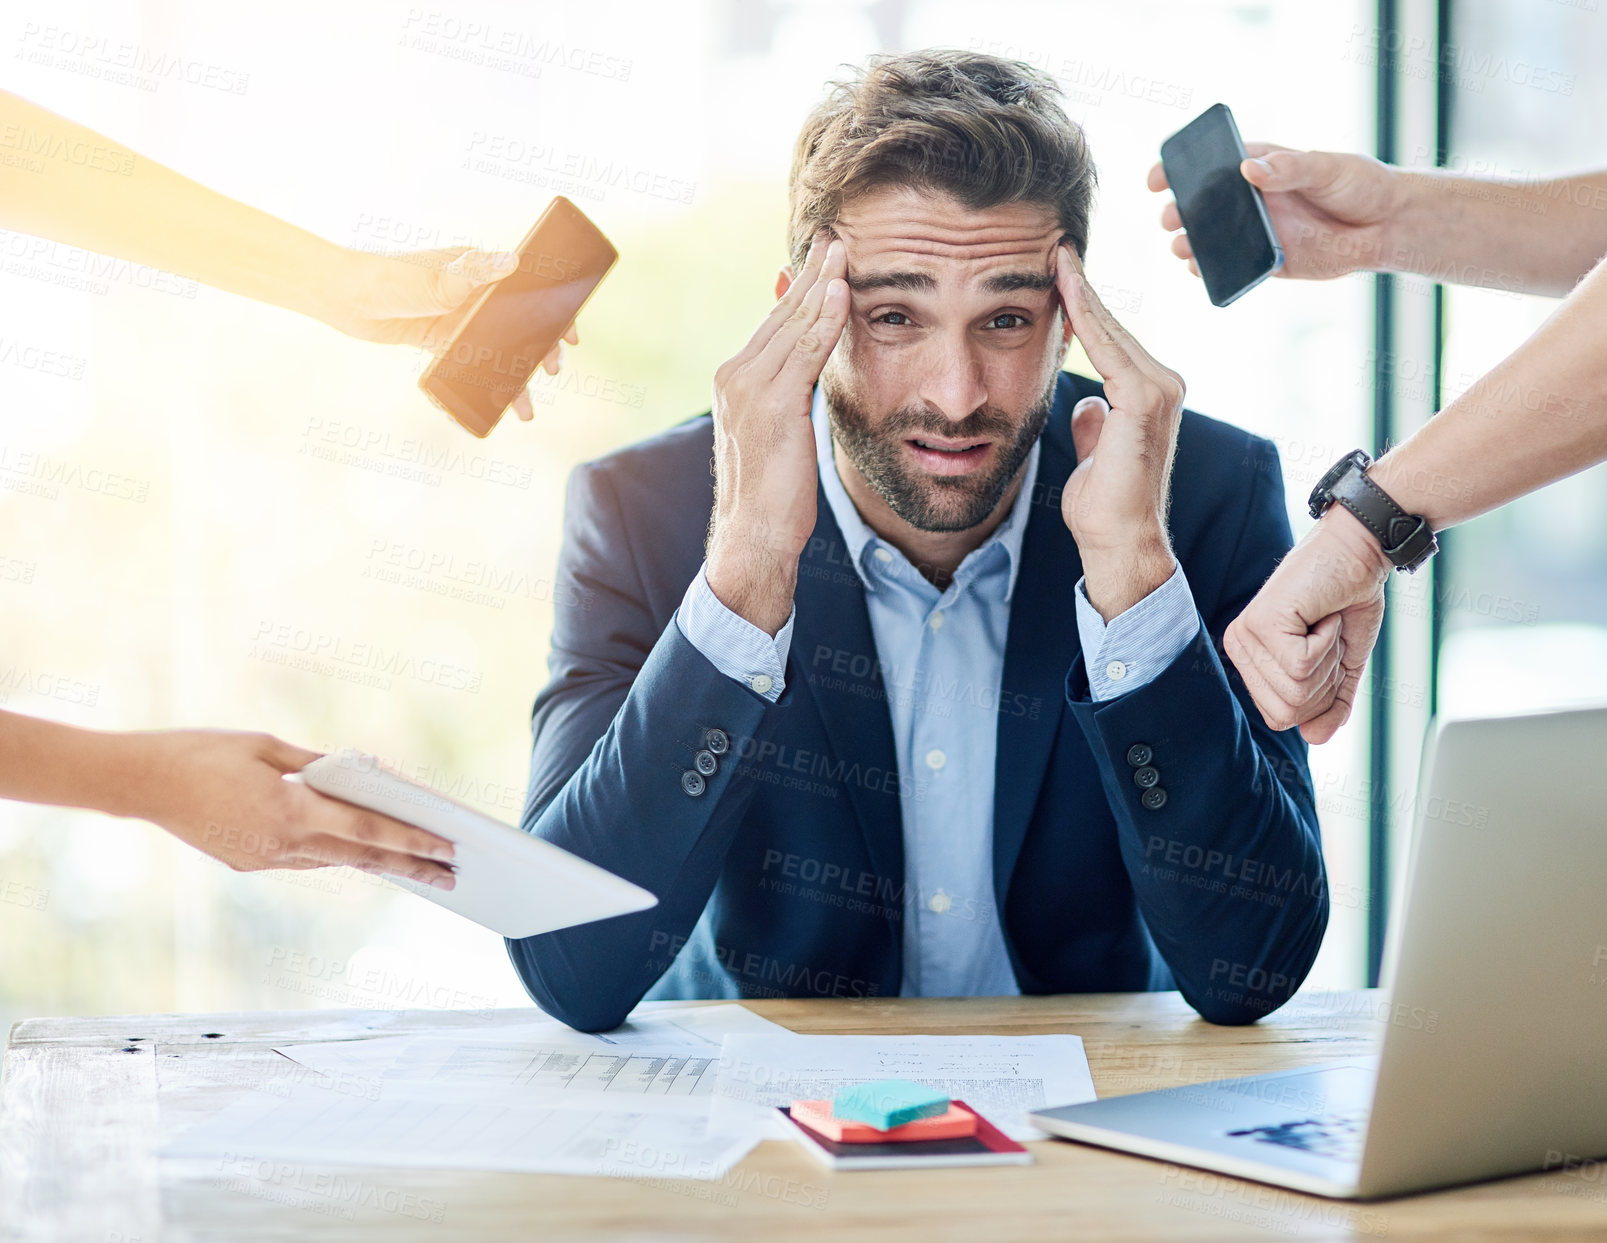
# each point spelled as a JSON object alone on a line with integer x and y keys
{"x": 1338, "y": 1136}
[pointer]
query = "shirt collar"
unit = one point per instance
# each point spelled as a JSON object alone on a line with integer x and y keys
{"x": 860, "y": 539}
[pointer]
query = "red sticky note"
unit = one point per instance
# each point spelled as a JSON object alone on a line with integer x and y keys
{"x": 817, "y": 1116}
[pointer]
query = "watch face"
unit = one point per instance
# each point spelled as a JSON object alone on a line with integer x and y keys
{"x": 1322, "y": 495}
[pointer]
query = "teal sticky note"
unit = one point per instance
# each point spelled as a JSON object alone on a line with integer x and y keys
{"x": 886, "y": 1103}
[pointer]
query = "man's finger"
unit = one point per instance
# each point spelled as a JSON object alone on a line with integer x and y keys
{"x": 1181, "y": 246}
{"x": 1283, "y": 699}
{"x": 1323, "y": 685}
{"x": 1308, "y": 656}
{"x": 814, "y": 347}
{"x": 1171, "y": 218}
{"x": 804, "y": 318}
{"x": 789, "y": 301}
{"x": 1156, "y": 180}
{"x": 1087, "y": 421}
{"x": 1325, "y": 725}
{"x": 1282, "y": 170}
{"x": 521, "y": 406}
{"x": 1253, "y": 661}
{"x": 1109, "y": 346}
{"x": 1296, "y": 666}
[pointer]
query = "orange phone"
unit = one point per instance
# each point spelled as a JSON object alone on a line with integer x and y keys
{"x": 515, "y": 323}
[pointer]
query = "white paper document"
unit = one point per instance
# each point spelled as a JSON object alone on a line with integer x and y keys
{"x": 438, "y": 1128}
{"x": 671, "y": 1052}
{"x": 536, "y": 1096}
{"x": 533, "y": 1069}
{"x": 1001, "y": 1077}
{"x": 686, "y": 1029}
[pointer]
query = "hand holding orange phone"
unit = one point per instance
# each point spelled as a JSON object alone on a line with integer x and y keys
{"x": 518, "y": 320}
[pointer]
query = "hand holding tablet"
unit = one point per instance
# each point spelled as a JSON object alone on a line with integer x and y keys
{"x": 508, "y": 881}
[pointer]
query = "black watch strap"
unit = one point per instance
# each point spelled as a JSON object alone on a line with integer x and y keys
{"x": 1405, "y": 538}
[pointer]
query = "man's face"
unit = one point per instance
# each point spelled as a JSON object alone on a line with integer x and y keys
{"x": 943, "y": 378}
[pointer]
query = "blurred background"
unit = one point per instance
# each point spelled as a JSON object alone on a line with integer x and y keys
{"x": 213, "y": 512}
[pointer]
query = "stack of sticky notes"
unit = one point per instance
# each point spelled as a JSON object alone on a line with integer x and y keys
{"x": 893, "y": 1123}
{"x": 886, "y": 1110}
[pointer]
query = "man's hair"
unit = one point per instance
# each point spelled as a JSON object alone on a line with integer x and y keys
{"x": 983, "y": 129}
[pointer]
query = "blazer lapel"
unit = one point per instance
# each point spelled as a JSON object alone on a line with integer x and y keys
{"x": 1041, "y": 644}
{"x": 834, "y": 649}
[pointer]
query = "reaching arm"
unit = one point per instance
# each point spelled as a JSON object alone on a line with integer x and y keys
{"x": 1338, "y": 213}
{"x": 221, "y": 792}
{"x": 1539, "y": 416}
{"x": 82, "y": 188}
{"x": 91, "y": 191}
{"x": 1536, "y": 237}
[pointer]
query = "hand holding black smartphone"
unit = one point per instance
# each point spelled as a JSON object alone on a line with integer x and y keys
{"x": 1226, "y": 219}
{"x": 515, "y": 323}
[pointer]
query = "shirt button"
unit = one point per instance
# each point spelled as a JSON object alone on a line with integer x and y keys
{"x": 937, "y": 621}
{"x": 935, "y": 759}
{"x": 717, "y": 741}
{"x": 1115, "y": 671}
{"x": 1146, "y": 778}
{"x": 693, "y": 783}
{"x": 1153, "y": 798}
{"x": 939, "y": 902}
{"x": 1139, "y": 754}
{"x": 762, "y": 683}
{"x": 705, "y": 763}
{"x": 883, "y": 555}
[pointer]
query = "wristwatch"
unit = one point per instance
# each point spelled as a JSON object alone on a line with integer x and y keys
{"x": 1406, "y": 538}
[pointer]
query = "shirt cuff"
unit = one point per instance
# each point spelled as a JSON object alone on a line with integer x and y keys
{"x": 732, "y": 644}
{"x": 1136, "y": 646}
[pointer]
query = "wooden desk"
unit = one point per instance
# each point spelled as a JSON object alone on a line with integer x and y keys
{"x": 79, "y": 1123}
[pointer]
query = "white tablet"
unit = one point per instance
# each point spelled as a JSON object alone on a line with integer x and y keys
{"x": 507, "y": 880}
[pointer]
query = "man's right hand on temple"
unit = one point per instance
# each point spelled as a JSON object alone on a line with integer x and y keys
{"x": 764, "y": 443}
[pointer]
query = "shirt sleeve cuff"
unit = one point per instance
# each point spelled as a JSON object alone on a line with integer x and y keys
{"x": 1136, "y": 646}
{"x": 732, "y": 644}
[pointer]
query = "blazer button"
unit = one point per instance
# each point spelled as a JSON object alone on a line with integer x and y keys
{"x": 717, "y": 741}
{"x": 694, "y": 784}
{"x": 706, "y": 763}
{"x": 1153, "y": 798}
{"x": 1146, "y": 778}
{"x": 1139, "y": 754}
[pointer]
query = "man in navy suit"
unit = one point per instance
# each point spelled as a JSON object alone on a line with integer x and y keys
{"x": 901, "y": 669}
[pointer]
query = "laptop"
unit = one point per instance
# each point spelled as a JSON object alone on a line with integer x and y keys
{"x": 1492, "y": 1055}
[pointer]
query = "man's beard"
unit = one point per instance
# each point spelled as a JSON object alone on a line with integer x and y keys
{"x": 934, "y": 502}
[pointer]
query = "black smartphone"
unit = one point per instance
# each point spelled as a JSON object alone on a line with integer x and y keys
{"x": 1226, "y": 218}
{"x": 515, "y": 323}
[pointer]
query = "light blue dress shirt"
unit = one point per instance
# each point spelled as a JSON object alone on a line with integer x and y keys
{"x": 942, "y": 658}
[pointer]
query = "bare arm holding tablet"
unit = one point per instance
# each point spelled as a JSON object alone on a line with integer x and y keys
{"x": 217, "y": 790}
{"x": 507, "y": 880}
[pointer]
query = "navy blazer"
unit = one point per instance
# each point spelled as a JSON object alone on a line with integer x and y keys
{"x": 784, "y": 876}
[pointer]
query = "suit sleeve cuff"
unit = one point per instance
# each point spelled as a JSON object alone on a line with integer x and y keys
{"x": 1136, "y": 646}
{"x": 732, "y": 644}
